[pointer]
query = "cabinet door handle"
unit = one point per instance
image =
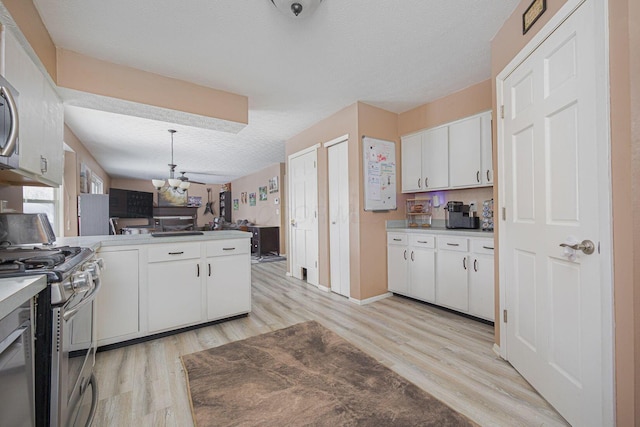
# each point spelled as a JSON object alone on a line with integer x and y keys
{"x": 419, "y": 185}
{"x": 464, "y": 263}
{"x": 426, "y": 181}
{"x": 176, "y": 253}
{"x": 453, "y": 244}
{"x": 44, "y": 165}
{"x": 405, "y": 254}
{"x": 411, "y": 255}
{"x": 228, "y": 249}
{"x": 475, "y": 265}
{"x": 488, "y": 247}
{"x": 397, "y": 240}
{"x": 198, "y": 270}
{"x": 478, "y": 176}
{"x": 209, "y": 264}
{"x": 488, "y": 179}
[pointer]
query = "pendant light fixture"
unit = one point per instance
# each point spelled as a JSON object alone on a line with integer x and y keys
{"x": 296, "y": 8}
{"x": 174, "y": 183}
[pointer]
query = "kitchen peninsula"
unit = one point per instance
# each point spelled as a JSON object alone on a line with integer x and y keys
{"x": 152, "y": 286}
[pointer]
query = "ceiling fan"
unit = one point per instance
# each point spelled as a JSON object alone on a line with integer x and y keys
{"x": 184, "y": 178}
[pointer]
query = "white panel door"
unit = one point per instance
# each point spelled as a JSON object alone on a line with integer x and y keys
{"x": 303, "y": 211}
{"x": 553, "y": 295}
{"x": 464, "y": 153}
{"x": 412, "y": 163}
{"x": 435, "y": 158}
{"x": 339, "y": 218}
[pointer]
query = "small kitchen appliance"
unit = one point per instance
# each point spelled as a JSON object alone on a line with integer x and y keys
{"x": 457, "y": 215}
{"x": 65, "y": 316}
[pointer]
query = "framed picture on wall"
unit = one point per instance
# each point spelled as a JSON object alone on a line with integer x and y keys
{"x": 263, "y": 193}
{"x": 171, "y": 197}
{"x": 236, "y": 204}
{"x": 273, "y": 184}
{"x": 243, "y": 197}
{"x": 252, "y": 199}
{"x": 85, "y": 179}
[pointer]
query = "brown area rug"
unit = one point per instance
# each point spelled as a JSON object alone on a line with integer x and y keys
{"x": 305, "y": 375}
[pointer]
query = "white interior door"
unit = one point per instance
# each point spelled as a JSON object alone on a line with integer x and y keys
{"x": 339, "y": 218}
{"x": 554, "y": 295}
{"x": 303, "y": 215}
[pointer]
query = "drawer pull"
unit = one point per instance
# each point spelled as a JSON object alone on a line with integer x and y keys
{"x": 176, "y": 253}
{"x": 422, "y": 241}
{"x": 453, "y": 244}
{"x": 209, "y": 269}
{"x": 487, "y": 247}
{"x": 397, "y": 240}
{"x": 228, "y": 249}
{"x": 198, "y": 269}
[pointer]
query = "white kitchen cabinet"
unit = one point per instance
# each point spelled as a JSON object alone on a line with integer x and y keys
{"x": 174, "y": 295}
{"x": 397, "y": 263}
{"x": 435, "y": 159}
{"x": 118, "y": 300}
{"x": 481, "y": 279}
{"x": 453, "y": 282}
{"x": 228, "y": 273}
{"x": 40, "y": 141}
{"x": 486, "y": 148}
{"x": 411, "y": 265}
{"x": 464, "y": 153}
{"x": 411, "y": 148}
{"x": 422, "y": 267}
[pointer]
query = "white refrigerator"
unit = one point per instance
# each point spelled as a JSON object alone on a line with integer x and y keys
{"x": 93, "y": 214}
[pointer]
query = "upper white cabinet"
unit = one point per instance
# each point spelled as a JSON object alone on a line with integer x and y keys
{"x": 464, "y": 145}
{"x": 412, "y": 163}
{"x": 455, "y": 155}
{"x": 40, "y": 138}
{"x": 435, "y": 155}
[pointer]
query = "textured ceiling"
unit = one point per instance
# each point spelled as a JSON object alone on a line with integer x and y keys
{"x": 394, "y": 54}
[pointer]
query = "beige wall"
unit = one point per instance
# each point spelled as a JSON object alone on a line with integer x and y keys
{"x": 13, "y": 196}
{"x": 624, "y": 45}
{"x": 466, "y": 102}
{"x": 265, "y": 212}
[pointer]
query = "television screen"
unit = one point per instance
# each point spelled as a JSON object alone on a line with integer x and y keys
{"x": 130, "y": 204}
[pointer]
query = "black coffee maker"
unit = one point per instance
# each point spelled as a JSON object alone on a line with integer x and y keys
{"x": 457, "y": 216}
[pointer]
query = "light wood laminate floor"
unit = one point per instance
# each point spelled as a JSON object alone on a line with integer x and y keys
{"x": 447, "y": 355}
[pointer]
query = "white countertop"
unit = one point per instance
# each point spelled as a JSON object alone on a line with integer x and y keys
{"x": 16, "y": 290}
{"x": 443, "y": 230}
{"x": 95, "y": 242}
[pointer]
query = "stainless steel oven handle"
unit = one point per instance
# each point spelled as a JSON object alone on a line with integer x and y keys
{"x": 86, "y": 300}
{"x": 94, "y": 399}
{"x": 12, "y": 139}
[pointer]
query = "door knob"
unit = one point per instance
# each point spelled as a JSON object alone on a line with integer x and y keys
{"x": 293, "y": 222}
{"x": 587, "y": 247}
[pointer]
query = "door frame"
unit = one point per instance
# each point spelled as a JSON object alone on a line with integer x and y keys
{"x": 341, "y": 139}
{"x": 313, "y": 148}
{"x": 604, "y": 205}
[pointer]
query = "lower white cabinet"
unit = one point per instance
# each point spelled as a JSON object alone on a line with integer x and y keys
{"x": 452, "y": 271}
{"x": 152, "y": 288}
{"x": 175, "y": 287}
{"x": 118, "y": 300}
{"x": 411, "y": 266}
{"x": 228, "y": 269}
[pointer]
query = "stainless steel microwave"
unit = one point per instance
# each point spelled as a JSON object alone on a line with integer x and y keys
{"x": 9, "y": 125}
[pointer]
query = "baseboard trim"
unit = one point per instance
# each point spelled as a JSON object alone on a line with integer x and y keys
{"x": 324, "y": 288}
{"x": 496, "y": 350}
{"x": 370, "y": 300}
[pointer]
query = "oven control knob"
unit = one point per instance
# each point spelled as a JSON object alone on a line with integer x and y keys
{"x": 81, "y": 281}
{"x": 93, "y": 268}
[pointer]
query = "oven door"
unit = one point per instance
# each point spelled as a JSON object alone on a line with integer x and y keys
{"x": 73, "y": 360}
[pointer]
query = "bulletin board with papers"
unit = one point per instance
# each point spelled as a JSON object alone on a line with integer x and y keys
{"x": 379, "y": 174}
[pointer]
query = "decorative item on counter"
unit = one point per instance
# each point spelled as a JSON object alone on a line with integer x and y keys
{"x": 487, "y": 215}
{"x": 419, "y": 212}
